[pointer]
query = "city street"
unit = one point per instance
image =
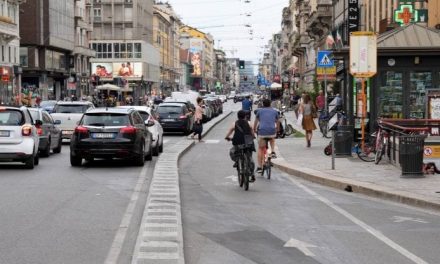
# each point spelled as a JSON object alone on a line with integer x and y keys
{"x": 286, "y": 220}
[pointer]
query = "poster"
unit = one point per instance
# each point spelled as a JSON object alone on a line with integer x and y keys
{"x": 117, "y": 69}
{"x": 102, "y": 69}
{"x": 196, "y": 62}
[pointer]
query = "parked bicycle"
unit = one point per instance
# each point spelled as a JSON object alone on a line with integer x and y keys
{"x": 285, "y": 128}
{"x": 367, "y": 153}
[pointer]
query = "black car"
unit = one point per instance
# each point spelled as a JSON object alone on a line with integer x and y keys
{"x": 49, "y": 133}
{"x": 175, "y": 117}
{"x": 111, "y": 133}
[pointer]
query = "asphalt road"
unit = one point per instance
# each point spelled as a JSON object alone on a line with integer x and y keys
{"x": 286, "y": 220}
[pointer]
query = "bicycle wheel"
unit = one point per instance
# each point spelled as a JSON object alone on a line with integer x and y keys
{"x": 246, "y": 174}
{"x": 368, "y": 154}
{"x": 380, "y": 147}
{"x": 268, "y": 170}
{"x": 240, "y": 170}
{"x": 289, "y": 130}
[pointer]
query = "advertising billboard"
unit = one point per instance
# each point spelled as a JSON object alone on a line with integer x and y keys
{"x": 118, "y": 69}
{"x": 196, "y": 62}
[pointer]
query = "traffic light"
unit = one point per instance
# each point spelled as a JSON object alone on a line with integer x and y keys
{"x": 241, "y": 64}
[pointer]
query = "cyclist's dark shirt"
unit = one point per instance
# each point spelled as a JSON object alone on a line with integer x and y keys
{"x": 238, "y": 138}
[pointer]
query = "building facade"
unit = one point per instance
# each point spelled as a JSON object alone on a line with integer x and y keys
{"x": 82, "y": 53}
{"x": 232, "y": 74}
{"x": 47, "y": 41}
{"x": 10, "y": 70}
{"x": 123, "y": 40}
{"x": 220, "y": 70}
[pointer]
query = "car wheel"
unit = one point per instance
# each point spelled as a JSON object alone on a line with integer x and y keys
{"x": 161, "y": 145}
{"x": 36, "y": 159}
{"x": 156, "y": 149}
{"x": 30, "y": 162}
{"x": 140, "y": 158}
{"x": 150, "y": 153}
{"x": 75, "y": 161}
{"x": 46, "y": 151}
{"x": 60, "y": 145}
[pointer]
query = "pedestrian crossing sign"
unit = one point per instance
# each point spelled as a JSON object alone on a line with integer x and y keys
{"x": 325, "y": 59}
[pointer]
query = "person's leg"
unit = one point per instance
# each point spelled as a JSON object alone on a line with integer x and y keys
{"x": 260, "y": 157}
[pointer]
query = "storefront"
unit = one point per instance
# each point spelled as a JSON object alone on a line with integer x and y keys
{"x": 408, "y": 66}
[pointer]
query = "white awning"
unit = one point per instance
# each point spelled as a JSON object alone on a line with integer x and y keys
{"x": 109, "y": 87}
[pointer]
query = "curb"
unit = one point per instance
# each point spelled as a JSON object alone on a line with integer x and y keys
{"x": 160, "y": 237}
{"x": 369, "y": 189}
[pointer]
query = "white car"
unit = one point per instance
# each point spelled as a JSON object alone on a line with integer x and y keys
{"x": 149, "y": 115}
{"x": 19, "y": 139}
{"x": 68, "y": 114}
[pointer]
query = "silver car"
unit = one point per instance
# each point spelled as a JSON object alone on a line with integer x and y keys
{"x": 49, "y": 133}
{"x": 19, "y": 139}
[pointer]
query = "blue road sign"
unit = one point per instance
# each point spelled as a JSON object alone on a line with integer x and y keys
{"x": 324, "y": 59}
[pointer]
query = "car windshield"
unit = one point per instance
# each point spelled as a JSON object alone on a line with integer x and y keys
{"x": 144, "y": 115}
{"x": 11, "y": 118}
{"x": 165, "y": 109}
{"x": 105, "y": 119}
{"x": 35, "y": 114}
{"x": 67, "y": 109}
{"x": 47, "y": 103}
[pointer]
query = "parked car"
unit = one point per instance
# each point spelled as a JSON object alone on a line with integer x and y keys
{"x": 207, "y": 113}
{"x": 148, "y": 114}
{"x": 191, "y": 107}
{"x": 223, "y": 98}
{"x": 239, "y": 97}
{"x": 19, "y": 140}
{"x": 214, "y": 107}
{"x": 231, "y": 95}
{"x": 68, "y": 114}
{"x": 111, "y": 133}
{"x": 48, "y": 105}
{"x": 175, "y": 117}
{"x": 50, "y": 135}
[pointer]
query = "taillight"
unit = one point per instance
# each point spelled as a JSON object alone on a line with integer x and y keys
{"x": 81, "y": 130}
{"x": 26, "y": 131}
{"x": 128, "y": 130}
{"x": 39, "y": 131}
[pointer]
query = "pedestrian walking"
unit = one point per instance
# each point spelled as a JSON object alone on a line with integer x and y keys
{"x": 307, "y": 109}
{"x": 198, "y": 116}
{"x": 320, "y": 101}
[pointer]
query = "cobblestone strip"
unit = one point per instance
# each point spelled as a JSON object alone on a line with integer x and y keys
{"x": 160, "y": 238}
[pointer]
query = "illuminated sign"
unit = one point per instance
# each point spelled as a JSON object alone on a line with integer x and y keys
{"x": 405, "y": 15}
{"x": 117, "y": 69}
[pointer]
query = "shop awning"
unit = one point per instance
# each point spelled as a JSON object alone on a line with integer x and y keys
{"x": 109, "y": 87}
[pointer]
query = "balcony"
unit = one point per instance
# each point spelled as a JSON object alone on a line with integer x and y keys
{"x": 80, "y": 50}
{"x": 319, "y": 23}
{"x": 8, "y": 29}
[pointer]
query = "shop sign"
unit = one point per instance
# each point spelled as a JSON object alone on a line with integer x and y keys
{"x": 363, "y": 54}
{"x": 432, "y": 151}
{"x": 71, "y": 86}
{"x": 5, "y": 70}
{"x": 5, "y": 78}
{"x": 353, "y": 15}
{"x": 406, "y": 15}
{"x": 329, "y": 73}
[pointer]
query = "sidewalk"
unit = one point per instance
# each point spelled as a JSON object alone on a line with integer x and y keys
{"x": 383, "y": 180}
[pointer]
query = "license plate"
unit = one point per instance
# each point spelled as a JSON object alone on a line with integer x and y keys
{"x": 103, "y": 135}
{"x": 4, "y": 133}
{"x": 67, "y": 132}
{"x": 168, "y": 120}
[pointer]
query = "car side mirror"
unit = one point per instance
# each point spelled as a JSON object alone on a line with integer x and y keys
{"x": 57, "y": 122}
{"x": 149, "y": 123}
{"x": 38, "y": 123}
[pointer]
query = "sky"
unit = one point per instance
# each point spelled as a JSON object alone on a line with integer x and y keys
{"x": 230, "y": 22}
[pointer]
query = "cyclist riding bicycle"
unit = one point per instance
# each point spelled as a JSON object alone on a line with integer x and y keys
{"x": 246, "y": 105}
{"x": 240, "y": 128}
{"x": 266, "y": 126}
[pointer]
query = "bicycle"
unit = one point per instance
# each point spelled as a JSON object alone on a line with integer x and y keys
{"x": 367, "y": 153}
{"x": 244, "y": 168}
{"x": 382, "y": 139}
{"x": 267, "y": 164}
{"x": 285, "y": 128}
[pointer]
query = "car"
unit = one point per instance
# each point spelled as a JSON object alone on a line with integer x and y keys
{"x": 207, "y": 112}
{"x": 223, "y": 98}
{"x": 148, "y": 114}
{"x": 48, "y": 105}
{"x": 111, "y": 133}
{"x": 49, "y": 133}
{"x": 175, "y": 117}
{"x": 19, "y": 139}
{"x": 188, "y": 103}
{"x": 239, "y": 98}
{"x": 68, "y": 114}
{"x": 231, "y": 95}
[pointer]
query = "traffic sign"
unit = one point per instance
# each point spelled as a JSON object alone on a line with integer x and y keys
{"x": 324, "y": 59}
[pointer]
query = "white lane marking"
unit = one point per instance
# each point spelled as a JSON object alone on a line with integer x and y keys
{"x": 366, "y": 227}
{"x": 212, "y": 141}
{"x": 233, "y": 178}
{"x": 400, "y": 219}
{"x": 165, "y": 141}
{"x": 301, "y": 245}
{"x": 115, "y": 249}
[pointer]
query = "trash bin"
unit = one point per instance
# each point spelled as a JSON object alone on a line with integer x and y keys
{"x": 343, "y": 140}
{"x": 411, "y": 155}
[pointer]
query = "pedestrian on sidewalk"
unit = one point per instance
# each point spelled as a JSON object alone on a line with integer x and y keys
{"x": 307, "y": 109}
{"x": 320, "y": 101}
{"x": 198, "y": 116}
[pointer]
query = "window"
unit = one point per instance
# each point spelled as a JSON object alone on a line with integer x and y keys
{"x": 97, "y": 14}
{"x": 3, "y": 53}
{"x": 138, "y": 50}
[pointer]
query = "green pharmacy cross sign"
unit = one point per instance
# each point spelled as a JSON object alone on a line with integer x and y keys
{"x": 406, "y": 14}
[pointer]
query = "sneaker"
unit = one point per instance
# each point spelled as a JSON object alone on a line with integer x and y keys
{"x": 252, "y": 179}
{"x": 259, "y": 170}
{"x": 235, "y": 165}
{"x": 273, "y": 155}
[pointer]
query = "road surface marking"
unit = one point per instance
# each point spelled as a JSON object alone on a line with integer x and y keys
{"x": 400, "y": 219}
{"x": 115, "y": 249}
{"x": 301, "y": 245}
{"x": 212, "y": 141}
{"x": 366, "y": 227}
